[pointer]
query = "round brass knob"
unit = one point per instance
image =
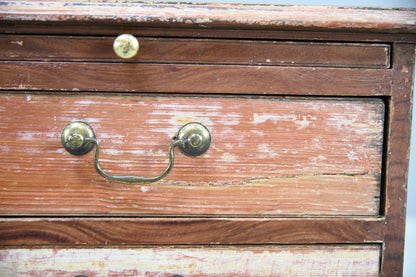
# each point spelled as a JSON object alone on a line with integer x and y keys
{"x": 126, "y": 46}
{"x": 196, "y": 137}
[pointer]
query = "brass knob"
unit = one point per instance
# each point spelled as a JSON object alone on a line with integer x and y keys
{"x": 78, "y": 138}
{"x": 126, "y": 46}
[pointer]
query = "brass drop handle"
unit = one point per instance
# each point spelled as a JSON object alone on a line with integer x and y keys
{"x": 126, "y": 46}
{"x": 78, "y": 138}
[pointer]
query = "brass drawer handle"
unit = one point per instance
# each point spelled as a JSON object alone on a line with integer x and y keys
{"x": 78, "y": 138}
{"x": 126, "y": 46}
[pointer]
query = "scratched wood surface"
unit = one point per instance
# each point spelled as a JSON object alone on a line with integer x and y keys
{"x": 197, "y": 51}
{"x": 205, "y": 15}
{"x": 269, "y": 155}
{"x": 352, "y": 260}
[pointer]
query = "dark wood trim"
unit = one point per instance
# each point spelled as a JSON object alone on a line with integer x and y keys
{"x": 178, "y": 78}
{"x": 192, "y": 231}
{"x": 398, "y": 158}
{"x": 140, "y": 30}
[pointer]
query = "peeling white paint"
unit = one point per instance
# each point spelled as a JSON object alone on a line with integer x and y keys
{"x": 265, "y": 148}
{"x": 239, "y": 261}
{"x": 18, "y": 42}
{"x": 228, "y": 157}
{"x": 351, "y": 156}
{"x": 302, "y": 124}
{"x": 145, "y": 189}
{"x": 262, "y": 118}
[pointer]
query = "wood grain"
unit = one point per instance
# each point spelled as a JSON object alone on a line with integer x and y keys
{"x": 294, "y": 156}
{"x": 384, "y": 225}
{"x": 223, "y": 32}
{"x": 353, "y": 260}
{"x": 115, "y": 231}
{"x": 205, "y": 15}
{"x": 197, "y": 51}
{"x": 182, "y": 78}
{"x": 400, "y": 124}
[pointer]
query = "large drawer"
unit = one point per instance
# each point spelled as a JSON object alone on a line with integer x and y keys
{"x": 275, "y": 156}
{"x": 352, "y": 260}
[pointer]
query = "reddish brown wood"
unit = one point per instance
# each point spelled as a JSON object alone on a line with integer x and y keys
{"x": 209, "y": 15}
{"x": 294, "y": 24}
{"x": 291, "y": 157}
{"x": 108, "y": 29}
{"x": 197, "y": 51}
{"x": 398, "y": 158}
{"x": 177, "y": 78}
{"x": 119, "y": 231}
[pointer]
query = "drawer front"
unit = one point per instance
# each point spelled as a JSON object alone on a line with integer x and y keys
{"x": 272, "y": 156}
{"x": 171, "y": 65}
{"x": 360, "y": 260}
{"x": 197, "y": 51}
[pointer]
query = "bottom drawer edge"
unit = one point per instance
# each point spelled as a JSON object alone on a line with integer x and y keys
{"x": 307, "y": 260}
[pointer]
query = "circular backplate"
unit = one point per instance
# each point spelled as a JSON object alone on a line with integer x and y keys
{"x": 197, "y": 139}
{"x": 72, "y": 137}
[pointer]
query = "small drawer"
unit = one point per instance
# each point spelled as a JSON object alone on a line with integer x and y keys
{"x": 197, "y": 51}
{"x": 350, "y": 260}
{"x": 205, "y": 66}
{"x": 274, "y": 156}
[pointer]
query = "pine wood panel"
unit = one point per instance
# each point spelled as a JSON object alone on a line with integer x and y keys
{"x": 352, "y": 260}
{"x": 183, "y": 78}
{"x": 197, "y": 51}
{"x": 292, "y": 156}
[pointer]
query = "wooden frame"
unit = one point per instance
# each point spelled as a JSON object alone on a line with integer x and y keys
{"x": 394, "y": 27}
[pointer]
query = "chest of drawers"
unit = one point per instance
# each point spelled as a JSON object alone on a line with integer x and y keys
{"x": 308, "y": 111}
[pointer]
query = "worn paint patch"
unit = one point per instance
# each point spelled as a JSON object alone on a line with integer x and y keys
{"x": 352, "y": 260}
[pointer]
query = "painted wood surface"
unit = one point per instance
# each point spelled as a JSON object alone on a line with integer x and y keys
{"x": 197, "y": 51}
{"x": 211, "y": 15}
{"x": 287, "y": 261}
{"x": 269, "y": 155}
{"x": 280, "y": 23}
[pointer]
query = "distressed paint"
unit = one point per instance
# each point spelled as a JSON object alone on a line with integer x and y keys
{"x": 288, "y": 261}
{"x": 290, "y": 23}
{"x": 293, "y": 156}
{"x": 208, "y": 15}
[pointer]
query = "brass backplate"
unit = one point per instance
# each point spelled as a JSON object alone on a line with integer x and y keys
{"x": 196, "y": 137}
{"x": 73, "y": 137}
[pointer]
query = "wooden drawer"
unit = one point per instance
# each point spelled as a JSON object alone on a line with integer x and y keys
{"x": 359, "y": 260}
{"x": 197, "y": 51}
{"x": 291, "y": 157}
{"x": 73, "y": 63}
{"x": 309, "y": 114}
